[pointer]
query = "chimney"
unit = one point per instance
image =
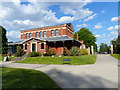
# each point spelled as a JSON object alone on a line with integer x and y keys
{"x": 82, "y": 42}
{"x": 77, "y": 36}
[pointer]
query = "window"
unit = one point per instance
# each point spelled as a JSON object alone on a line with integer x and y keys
{"x": 26, "y": 35}
{"x": 25, "y": 46}
{"x": 30, "y": 35}
{"x": 36, "y": 34}
{"x": 40, "y": 34}
{"x": 56, "y": 32}
{"x": 44, "y": 34}
{"x": 52, "y": 33}
{"x": 42, "y": 46}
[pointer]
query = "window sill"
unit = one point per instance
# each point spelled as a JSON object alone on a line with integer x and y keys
{"x": 42, "y": 49}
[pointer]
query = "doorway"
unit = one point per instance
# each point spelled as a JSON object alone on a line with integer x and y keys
{"x": 33, "y": 47}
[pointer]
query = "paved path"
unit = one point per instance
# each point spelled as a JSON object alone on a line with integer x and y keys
{"x": 102, "y": 74}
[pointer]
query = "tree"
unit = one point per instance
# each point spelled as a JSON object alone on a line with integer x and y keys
{"x": 3, "y": 41}
{"x": 20, "y": 51}
{"x": 95, "y": 48}
{"x": 116, "y": 45}
{"x": 104, "y": 47}
{"x": 87, "y": 36}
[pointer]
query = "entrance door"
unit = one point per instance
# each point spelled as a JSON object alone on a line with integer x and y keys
{"x": 33, "y": 47}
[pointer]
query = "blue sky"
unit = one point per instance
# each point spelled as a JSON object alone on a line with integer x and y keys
{"x": 101, "y": 18}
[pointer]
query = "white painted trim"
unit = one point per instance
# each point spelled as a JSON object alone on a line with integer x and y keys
{"x": 40, "y": 45}
{"x": 33, "y": 43}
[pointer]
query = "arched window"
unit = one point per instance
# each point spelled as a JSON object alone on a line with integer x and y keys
{"x": 26, "y": 35}
{"x": 42, "y": 45}
{"x": 36, "y": 34}
{"x": 56, "y": 32}
{"x": 44, "y": 33}
{"x": 40, "y": 34}
{"x": 30, "y": 35}
{"x": 52, "y": 33}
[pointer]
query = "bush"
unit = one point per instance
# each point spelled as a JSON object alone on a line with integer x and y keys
{"x": 52, "y": 51}
{"x": 9, "y": 54}
{"x": 83, "y": 52}
{"x": 47, "y": 54}
{"x": 34, "y": 54}
{"x": 65, "y": 51}
{"x": 20, "y": 52}
{"x": 74, "y": 51}
{"x": 3, "y": 55}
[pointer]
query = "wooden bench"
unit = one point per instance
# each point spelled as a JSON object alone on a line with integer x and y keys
{"x": 66, "y": 60}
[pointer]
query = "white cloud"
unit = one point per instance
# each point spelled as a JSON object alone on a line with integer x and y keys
{"x": 103, "y": 35}
{"x": 82, "y": 25}
{"x": 98, "y": 26}
{"x": 65, "y": 19}
{"x": 13, "y": 35}
{"x": 114, "y": 33}
{"x": 115, "y": 18}
{"x": 114, "y": 27}
{"x": 90, "y": 17}
{"x": 97, "y": 35}
{"x": 16, "y": 16}
{"x": 39, "y": 12}
{"x": 102, "y": 11}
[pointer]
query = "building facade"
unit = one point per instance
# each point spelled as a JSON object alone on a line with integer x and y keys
{"x": 51, "y": 37}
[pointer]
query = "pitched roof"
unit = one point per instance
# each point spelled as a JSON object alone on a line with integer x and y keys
{"x": 62, "y": 38}
{"x": 51, "y": 39}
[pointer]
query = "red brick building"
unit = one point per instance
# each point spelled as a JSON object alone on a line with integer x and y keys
{"x": 51, "y": 37}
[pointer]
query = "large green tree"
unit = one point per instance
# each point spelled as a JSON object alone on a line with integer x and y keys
{"x": 3, "y": 41}
{"x": 87, "y": 36}
{"x": 104, "y": 47}
{"x": 116, "y": 45}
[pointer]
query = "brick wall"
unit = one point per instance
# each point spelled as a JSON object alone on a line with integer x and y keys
{"x": 62, "y": 30}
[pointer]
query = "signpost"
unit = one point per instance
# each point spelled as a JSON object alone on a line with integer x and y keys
{"x": 5, "y": 59}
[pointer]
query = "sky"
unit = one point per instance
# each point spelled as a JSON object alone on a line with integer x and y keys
{"x": 101, "y": 18}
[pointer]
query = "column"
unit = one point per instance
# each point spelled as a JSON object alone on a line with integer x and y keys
{"x": 111, "y": 49}
{"x": 92, "y": 49}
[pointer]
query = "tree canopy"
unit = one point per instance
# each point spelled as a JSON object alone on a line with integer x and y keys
{"x": 87, "y": 36}
{"x": 104, "y": 47}
{"x": 3, "y": 41}
{"x": 116, "y": 45}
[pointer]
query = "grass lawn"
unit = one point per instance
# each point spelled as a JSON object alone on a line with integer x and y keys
{"x": 26, "y": 78}
{"x": 2, "y": 58}
{"x": 116, "y": 56}
{"x": 75, "y": 60}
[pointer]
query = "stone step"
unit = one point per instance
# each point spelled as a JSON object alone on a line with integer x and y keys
{"x": 20, "y": 58}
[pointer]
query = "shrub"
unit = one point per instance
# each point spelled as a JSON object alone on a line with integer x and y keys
{"x": 3, "y": 55}
{"x": 52, "y": 51}
{"x": 34, "y": 54}
{"x": 83, "y": 52}
{"x": 65, "y": 51}
{"x": 20, "y": 52}
{"x": 47, "y": 54}
{"x": 9, "y": 54}
{"x": 74, "y": 51}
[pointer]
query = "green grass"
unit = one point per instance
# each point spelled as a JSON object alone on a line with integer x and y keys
{"x": 116, "y": 56}
{"x": 26, "y": 78}
{"x": 78, "y": 60}
{"x": 2, "y": 58}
